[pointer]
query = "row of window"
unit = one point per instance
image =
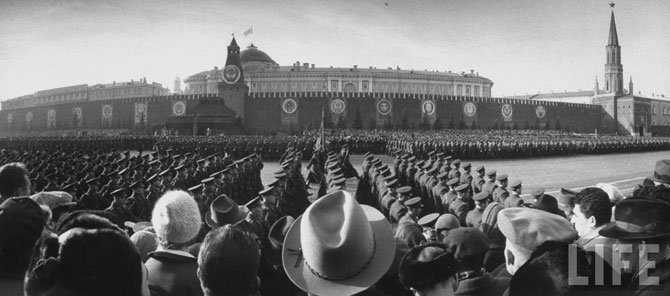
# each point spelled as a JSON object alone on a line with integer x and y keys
{"x": 665, "y": 110}
{"x": 466, "y": 90}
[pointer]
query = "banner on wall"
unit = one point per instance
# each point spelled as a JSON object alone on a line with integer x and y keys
{"x": 77, "y": 117}
{"x": 107, "y": 115}
{"x": 507, "y": 111}
{"x": 10, "y": 118}
{"x": 179, "y": 108}
{"x": 141, "y": 113}
{"x": 428, "y": 109}
{"x": 384, "y": 115}
{"x": 541, "y": 114}
{"x": 51, "y": 118}
{"x": 289, "y": 115}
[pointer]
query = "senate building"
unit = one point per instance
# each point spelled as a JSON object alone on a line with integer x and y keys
{"x": 252, "y": 93}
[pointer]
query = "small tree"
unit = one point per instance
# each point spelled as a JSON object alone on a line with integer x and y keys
{"x": 452, "y": 124}
{"x": 558, "y": 125}
{"x": 461, "y": 125}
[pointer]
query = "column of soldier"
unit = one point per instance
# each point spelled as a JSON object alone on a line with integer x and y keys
{"x": 379, "y": 242}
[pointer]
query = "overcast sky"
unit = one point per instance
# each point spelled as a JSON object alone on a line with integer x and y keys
{"x": 524, "y": 46}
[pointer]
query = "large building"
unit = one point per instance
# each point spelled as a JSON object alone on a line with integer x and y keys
{"x": 628, "y": 112}
{"x": 253, "y": 93}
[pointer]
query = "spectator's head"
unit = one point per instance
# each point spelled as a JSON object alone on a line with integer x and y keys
{"x": 429, "y": 269}
{"x": 444, "y": 224}
{"x": 22, "y": 221}
{"x": 14, "y": 180}
{"x": 228, "y": 263}
{"x": 338, "y": 247}
{"x": 662, "y": 172}
{"x": 176, "y": 219}
{"x": 489, "y": 225}
{"x": 546, "y": 272}
{"x": 640, "y": 223}
{"x": 145, "y": 242}
{"x": 592, "y": 210}
{"x": 526, "y": 228}
{"x": 83, "y": 261}
{"x": 469, "y": 246}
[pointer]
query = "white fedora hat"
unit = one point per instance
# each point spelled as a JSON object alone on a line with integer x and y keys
{"x": 338, "y": 247}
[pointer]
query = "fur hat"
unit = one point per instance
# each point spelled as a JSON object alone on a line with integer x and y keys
{"x": 425, "y": 265}
{"x": 176, "y": 217}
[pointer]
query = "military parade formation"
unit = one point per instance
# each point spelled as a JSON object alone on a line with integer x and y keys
{"x": 173, "y": 197}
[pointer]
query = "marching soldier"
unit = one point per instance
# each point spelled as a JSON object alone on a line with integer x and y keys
{"x": 478, "y": 179}
{"x": 514, "y": 199}
{"x": 501, "y": 193}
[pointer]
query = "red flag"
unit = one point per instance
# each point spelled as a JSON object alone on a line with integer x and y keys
{"x": 321, "y": 141}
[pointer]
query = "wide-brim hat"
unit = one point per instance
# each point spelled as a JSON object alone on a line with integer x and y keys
{"x": 324, "y": 264}
{"x": 224, "y": 211}
{"x": 662, "y": 171}
{"x": 639, "y": 218}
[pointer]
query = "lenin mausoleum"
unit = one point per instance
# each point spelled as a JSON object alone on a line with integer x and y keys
{"x": 252, "y": 93}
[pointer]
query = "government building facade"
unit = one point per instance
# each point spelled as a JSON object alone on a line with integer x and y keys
{"x": 252, "y": 93}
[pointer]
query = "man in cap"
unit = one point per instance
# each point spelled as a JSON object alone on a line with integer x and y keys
{"x": 461, "y": 205}
{"x": 474, "y": 217}
{"x": 466, "y": 178}
{"x": 525, "y": 229}
{"x": 440, "y": 189}
{"x": 514, "y": 198}
{"x": 455, "y": 171}
{"x": 501, "y": 193}
{"x": 489, "y": 184}
{"x": 449, "y": 196}
{"x": 398, "y": 209}
{"x": 138, "y": 204}
{"x": 179, "y": 183}
{"x": 389, "y": 197}
{"x": 469, "y": 246}
{"x": 566, "y": 202}
{"x": 119, "y": 208}
{"x": 91, "y": 200}
{"x": 409, "y": 231}
{"x": 429, "y": 270}
{"x": 478, "y": 179}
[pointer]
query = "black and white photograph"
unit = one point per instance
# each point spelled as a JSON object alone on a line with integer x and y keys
{"x": 334, "y": 148}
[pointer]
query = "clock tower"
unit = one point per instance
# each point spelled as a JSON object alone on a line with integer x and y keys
{"x": 232, "y": 88}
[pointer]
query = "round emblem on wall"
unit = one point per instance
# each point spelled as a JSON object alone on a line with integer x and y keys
{"x": 506, "y": 110}
{"x": 107, "y": 111}
{"x": 337, "y": 106}
{"x": 428, "y": 107}
{"x": 231, "y": 74}
{"x": 77, "y": 112}
{"x": 540, "y": 112}
{"x": 470, "y": 109}
{"x": 289, "y": 106}
{"x": 29, "y": 116}
{"x": 384, "y": 107}
{"x": 51, "y": 115}
{"x": 141, "y": 108}
{"x": 179, "y": 108}
{"x": 10, "y": 118}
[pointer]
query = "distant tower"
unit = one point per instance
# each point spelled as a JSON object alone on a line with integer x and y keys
{"x": 595, "y": 88}
{"x": 630, "y": 86}
{"x": 613, "y": 68}
{"x": 232, "y": 88}
{"x": 177, "y": 86}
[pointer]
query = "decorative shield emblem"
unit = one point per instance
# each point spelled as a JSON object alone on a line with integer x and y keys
{"x": 428, "y": 107}
{"x": 289, "y": 106}
{"x": 10, "y": 118}
{"x": 338, "y": 106}
{"x": 107, "y": 111}
{"x": 178, "y": 108}
{"x": 231, "y": 74}
{"x": 51, "y": 115}
{"x": 77, "y": 112}
{"x": 470, "y": 109}
{"x": 506, "y": 110}
{"x": 29, "y": 116}
{"x": 384, "y": 107}
{"x": 540, "y": 112}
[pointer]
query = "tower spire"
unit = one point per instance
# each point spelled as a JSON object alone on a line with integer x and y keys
{"x": 613, "y": 67}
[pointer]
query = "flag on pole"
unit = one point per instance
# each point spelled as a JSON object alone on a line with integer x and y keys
{"x": 321, "y": 141}
{"x": 248, "y": 32}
